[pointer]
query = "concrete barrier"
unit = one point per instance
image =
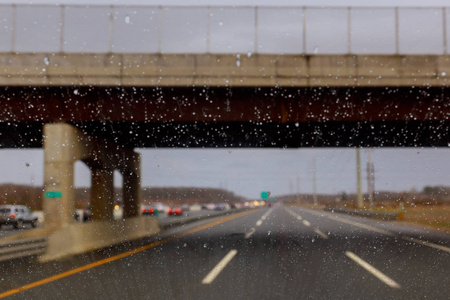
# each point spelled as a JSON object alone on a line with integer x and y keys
{"x": 77, "y": 238}
{"x": 85, "y": 237}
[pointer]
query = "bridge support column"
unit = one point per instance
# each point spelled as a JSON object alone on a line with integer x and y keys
{"x": 63, "y": 145}
{"x": 60, "y": 154}
{"x": 132, "y": 187}
{"x": 102, "y": 194}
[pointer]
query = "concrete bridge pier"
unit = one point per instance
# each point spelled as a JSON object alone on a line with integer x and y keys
{"x": 102, "y": 194}
{"x": 64, "y": 144}
{"x": 132, "y": 187}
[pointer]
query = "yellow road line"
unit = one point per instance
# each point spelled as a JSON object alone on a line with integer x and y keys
{"x": 119, "y": 256}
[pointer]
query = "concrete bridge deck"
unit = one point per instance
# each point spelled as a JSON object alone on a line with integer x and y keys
{"x": 223, "y": 70}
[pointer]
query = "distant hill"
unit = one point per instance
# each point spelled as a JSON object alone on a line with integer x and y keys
{"x": 179, "y": 195}
{"x": 430, "y": 195}
{"x": 32, "y": 196}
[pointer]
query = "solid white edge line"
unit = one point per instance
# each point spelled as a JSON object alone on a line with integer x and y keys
{"x": 219, "y": 267}
{"x": 425, "y": 243}
{"x": 321, "y": 233}
{"x": 339, "y": 219}
{"x": 371, "y": 269}
{"x": 368, "y": 227}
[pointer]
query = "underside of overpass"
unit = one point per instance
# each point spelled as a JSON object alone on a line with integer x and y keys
{"x": 232, "y": 117}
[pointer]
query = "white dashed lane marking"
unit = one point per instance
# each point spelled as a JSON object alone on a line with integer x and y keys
{"x": 371, "y": 269}
{"x": 249, "y": 234}
{"x": 321, "y": 233}
{"x": 219, "y": 267}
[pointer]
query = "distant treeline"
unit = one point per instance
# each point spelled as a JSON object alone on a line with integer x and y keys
{"x": 179, "y": 195}
{"x": 21, "y": 194}
{"x": 32, "y": 196}
{"x": 430, "y": 195}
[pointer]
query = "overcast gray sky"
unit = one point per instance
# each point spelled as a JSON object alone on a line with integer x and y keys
{"x": 370, "y": 3}
{"x": 250, "y": 171}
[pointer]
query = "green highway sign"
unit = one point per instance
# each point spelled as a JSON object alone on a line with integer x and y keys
{"x": 265, "y": 195}
{"x": 53, "y": 194}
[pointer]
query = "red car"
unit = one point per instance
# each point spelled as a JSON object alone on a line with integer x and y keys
{"x": 176, "y": 211}
{"x": 149, "y": 211}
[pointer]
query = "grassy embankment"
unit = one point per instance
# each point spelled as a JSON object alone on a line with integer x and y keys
{"x": 434, "y": 216}
{"x": 437, "y": 216}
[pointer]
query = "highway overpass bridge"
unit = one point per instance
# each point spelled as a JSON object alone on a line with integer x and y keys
{"x": 131, "y": 77}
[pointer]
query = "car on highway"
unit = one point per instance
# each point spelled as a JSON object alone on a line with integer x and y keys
{"x": 210, "y": 206}
{"x": 150, "y": 210}
{"x": 17, "y": 215}
{"x": 176, "y": 211}
{"x": 84, "y": 215}
{"x": 222, "y": 206}
{"x": 161, "y": 207}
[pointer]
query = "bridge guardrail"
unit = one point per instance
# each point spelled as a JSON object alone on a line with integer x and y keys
{"x": 294, "y": 29}
{"x": 22, "y": 248}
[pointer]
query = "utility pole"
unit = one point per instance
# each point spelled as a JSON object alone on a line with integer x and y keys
{"x": 359, "y": 201}
{"x": 298, "y": 188}
{"x": 370, "y": 175}
{"x": 315, "y": 184}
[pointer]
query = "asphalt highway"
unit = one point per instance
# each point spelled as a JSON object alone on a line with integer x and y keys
{"x": 269, "y": 253}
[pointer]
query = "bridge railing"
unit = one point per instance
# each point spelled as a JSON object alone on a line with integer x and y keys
{"x": 228, "y": 30}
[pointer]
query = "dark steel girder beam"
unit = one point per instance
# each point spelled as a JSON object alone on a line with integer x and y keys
{"x": 232, "y": 117}
{"x": 245, "y": 134}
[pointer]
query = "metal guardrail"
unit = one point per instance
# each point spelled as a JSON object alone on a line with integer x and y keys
{"x": 22, "y": 248}
{"x": 368, "y": 214}
{"x": 36, "y": 246}
{"x": 177, "y": 221}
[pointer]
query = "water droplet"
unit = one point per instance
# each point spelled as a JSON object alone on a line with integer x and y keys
{"x": 127, "y": 20}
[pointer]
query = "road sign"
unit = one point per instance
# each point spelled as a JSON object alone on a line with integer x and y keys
{"x": 265, "y": 195}
{"x": 53, "y": 194}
